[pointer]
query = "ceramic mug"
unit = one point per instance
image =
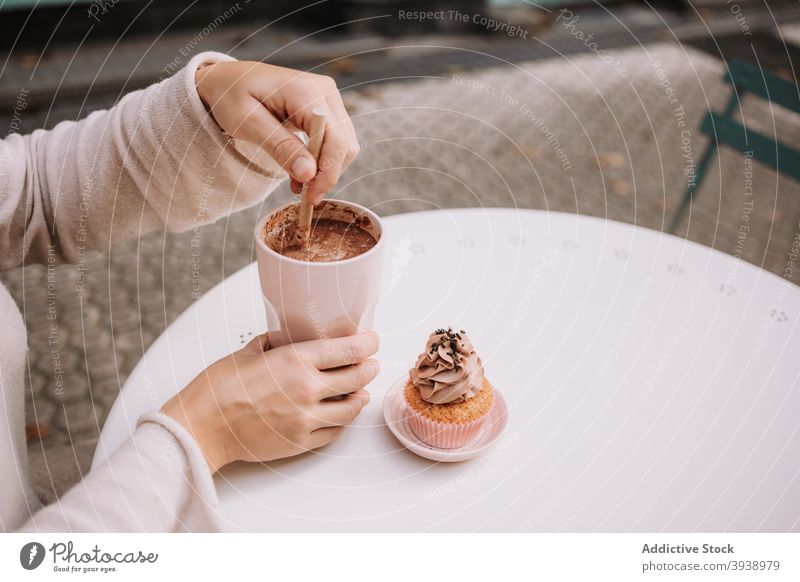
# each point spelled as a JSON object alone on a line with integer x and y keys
{"x": 306, "y": 300}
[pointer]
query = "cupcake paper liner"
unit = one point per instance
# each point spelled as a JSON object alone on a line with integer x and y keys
{"x": 443, "y": 435}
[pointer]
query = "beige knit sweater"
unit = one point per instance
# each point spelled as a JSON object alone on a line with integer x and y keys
{"x": 82, "y": 186}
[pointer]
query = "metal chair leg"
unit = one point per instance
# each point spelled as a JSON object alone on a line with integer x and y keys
{"x": 693, "y": 186}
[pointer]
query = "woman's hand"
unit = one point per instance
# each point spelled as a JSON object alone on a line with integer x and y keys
{"x": 257, "y": 405}
{"x": 263, "y": 104}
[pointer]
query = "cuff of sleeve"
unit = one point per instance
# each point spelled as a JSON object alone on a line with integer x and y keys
{"x": 202, "y": 480}
{"x": 250, "y": 155}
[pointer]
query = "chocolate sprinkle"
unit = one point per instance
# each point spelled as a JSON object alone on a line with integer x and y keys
{"x": 452, "y": 339}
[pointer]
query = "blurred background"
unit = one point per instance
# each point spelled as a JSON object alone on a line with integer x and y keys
{"x": 578, "y": 107}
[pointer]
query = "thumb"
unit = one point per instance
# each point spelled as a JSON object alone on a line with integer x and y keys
{"x": 281, "y": 144}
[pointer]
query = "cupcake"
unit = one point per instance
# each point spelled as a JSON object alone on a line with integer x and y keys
{"x": 447, "y": 396}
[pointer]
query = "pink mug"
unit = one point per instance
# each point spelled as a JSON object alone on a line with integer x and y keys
{"x": 306, "y": 300}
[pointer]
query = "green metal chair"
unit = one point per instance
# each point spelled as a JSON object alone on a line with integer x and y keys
{"x": 724, "y": 129}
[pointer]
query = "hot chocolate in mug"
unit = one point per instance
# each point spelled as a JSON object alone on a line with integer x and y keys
{"x": 318, "y": 300}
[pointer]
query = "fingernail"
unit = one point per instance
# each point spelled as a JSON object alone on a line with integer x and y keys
{"x": 302, "y": 169}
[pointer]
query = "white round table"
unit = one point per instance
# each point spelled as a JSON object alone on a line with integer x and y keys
{"x": 652, "y": 385}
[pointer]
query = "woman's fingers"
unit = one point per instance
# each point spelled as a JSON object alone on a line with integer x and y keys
{"x": 329, "y": 166}
{"x": 263, "y": 104}
{"x": 349, "y": 132}
{"x": 348, "y": 378}
{"x": 338, "y": 150}
{"x": 323, "y": 436}
{"x": 339, "y": 412}
{"x": 292, "y": 104}
{"x": 259, "y": 126}
{"x": 340, "y": 351}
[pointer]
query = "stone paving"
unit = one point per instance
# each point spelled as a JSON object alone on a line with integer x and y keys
{"x": 572, "y": 135}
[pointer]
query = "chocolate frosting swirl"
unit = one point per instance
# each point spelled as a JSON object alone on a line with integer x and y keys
{"x": 449, "y": 370}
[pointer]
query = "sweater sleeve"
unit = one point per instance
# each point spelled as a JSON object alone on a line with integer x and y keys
{"x": 155, "y": 160}
{"x": 156, "y": 481}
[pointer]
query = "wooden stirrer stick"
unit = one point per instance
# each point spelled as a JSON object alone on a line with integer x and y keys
{"x": 314, "y": 146}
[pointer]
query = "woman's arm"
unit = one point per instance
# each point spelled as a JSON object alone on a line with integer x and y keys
{"x": 255, "y": 405}
{"x": 158, "y": 480}
{"x": 158, "y": 159}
